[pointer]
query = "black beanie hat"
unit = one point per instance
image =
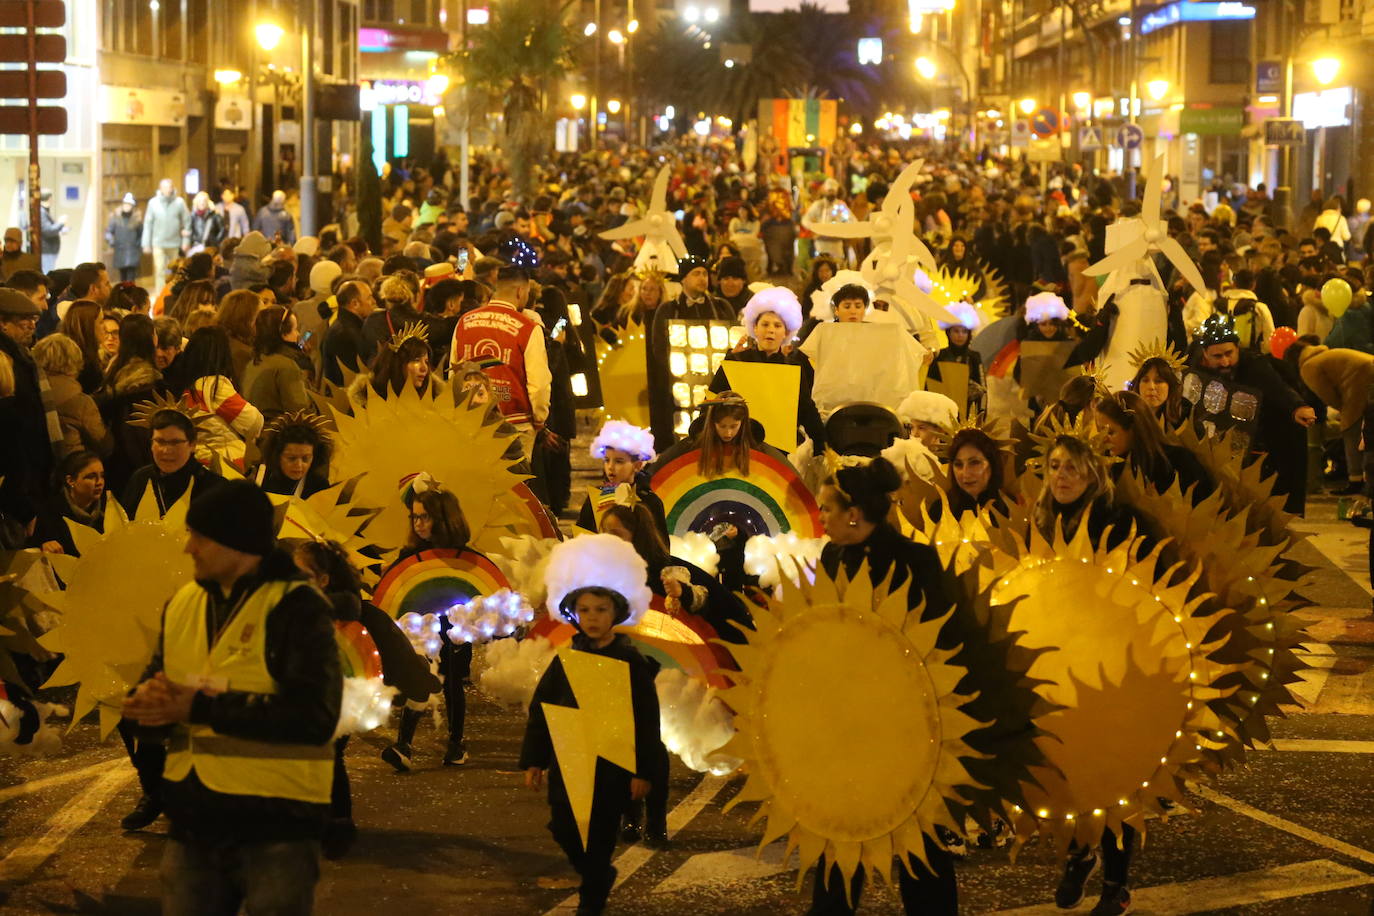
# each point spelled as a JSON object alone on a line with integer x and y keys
{"x": 731, "y": 267}
{"x": 237, "y": 515}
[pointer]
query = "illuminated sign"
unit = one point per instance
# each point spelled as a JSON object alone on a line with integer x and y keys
{"x": 1328, "y": 108}
{"x": 382, "y": 40}
{"x": 373, "y": 93}
{"x": 870, "y": 51}
{"x": 1175, "y": 13}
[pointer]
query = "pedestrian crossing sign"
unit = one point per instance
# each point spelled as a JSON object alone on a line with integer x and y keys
{"x": 1090, "y": 138}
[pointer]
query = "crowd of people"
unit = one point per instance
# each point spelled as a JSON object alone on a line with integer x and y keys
{"x": 247, "y": 331}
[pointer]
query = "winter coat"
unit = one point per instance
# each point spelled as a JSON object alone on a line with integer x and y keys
{"x": 1354, "y": 330}
{"x": 166, "y": 222}
{"x": 235, "y": 220}
{"x": 207, "y": 229}
{"x": 124, "y": 235}
{"x": 26, "y": 453}
{"x": 50, "y": 229}
{"x": 887, "y": 551}
{"x": 52, "y": 521}
{"x": 345, "y": 343}
{"x": 82, "y": 426}
{"x": 274, "y": 221}
{"x": 1341, "y": 378}
{"x": 275, "y": 385}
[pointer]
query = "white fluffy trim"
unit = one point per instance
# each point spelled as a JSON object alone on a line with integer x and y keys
{"x": 695, "y": 723}
{"x": 602, "y": 560}
{"x": 509, "y": 669}
{"x": 776, "y": 299}
{"x": 366, "y": 704}
{"x": 929, "y": 407}
{"x": 633, "y": 440}
{"x": 696, "y": 548}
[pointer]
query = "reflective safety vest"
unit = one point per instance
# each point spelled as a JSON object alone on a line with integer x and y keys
{"x": 236, "y": 661}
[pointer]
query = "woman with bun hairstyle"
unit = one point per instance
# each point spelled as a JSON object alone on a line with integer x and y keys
{"x": 1133, "y": 434}
{"x": 771, "y": 318}
{"x": 856, "y": 502}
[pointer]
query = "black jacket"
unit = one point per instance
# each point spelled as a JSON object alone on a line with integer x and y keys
{"x": 553, "y": 687}
{"x": 26, "y": 453}
{"x": 167, "y": 488}
{"x": 1280, "y": 400}
{"x": 345, "y": 342}
{"x": 661, "y": 408}
{"x": 587, "y": 517}
{"x": 887, "y": 550}
{"x": 52, "y": 522}
{"x": 303, "y": 659}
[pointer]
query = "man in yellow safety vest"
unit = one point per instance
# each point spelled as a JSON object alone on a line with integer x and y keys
{"x": 246, "y": 682}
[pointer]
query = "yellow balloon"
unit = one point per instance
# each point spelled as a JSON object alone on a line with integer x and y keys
{"x": 1336, "y": 296}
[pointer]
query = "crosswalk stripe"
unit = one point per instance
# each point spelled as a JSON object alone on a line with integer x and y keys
{"x": 633, "y": 859}
{"x": 1241, "y": 889}
{"x": 730, "y": 866}
{"x": 1318, "y": 746}
{"x": 1273, "y": 820}
{"x": 24, "y": 859}
{"x": 47, "y": 782}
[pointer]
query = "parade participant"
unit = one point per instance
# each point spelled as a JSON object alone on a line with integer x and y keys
{"x": 828, "y": 208}
{"x": 624, "y": 450}
{"x": 771, "y": 318}
{"x": 436, "y": 521}
{"x": 80, "y": 496}
{"x": 1133, "y": 434}
{"x": 850, "y": 303}
{"x": 295, "y": 455}
{"x": 959, "y": 350}
{"x": 856, "y": 502}
{"x": 470, "y": 377}
{"x": 1075, "y": 396}
{"x": 977, "y": 475}
{"x": 246, "y": 678}
{"x": 929, "y": 416}
{"x": 32, "y": 431}
{"x": 402, "y": 362}
{"x": 618, "y": 303}
{"x": 695, "y": 304}
{"x": 1282, "y": 411}
{"x": 503, "y": 330}
{"x": 174, "y": 468}
{"x": 1158, "y": 384}
{"x": 596, "y": 582}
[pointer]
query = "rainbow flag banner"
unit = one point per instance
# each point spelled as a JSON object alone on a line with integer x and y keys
{"x": 798, "y": 123}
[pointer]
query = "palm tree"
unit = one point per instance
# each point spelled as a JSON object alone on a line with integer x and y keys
{"x": 512, "y": 63}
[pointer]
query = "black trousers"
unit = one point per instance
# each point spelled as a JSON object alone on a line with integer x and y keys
{"x": 340, "y": 791}
{"x": 149, "y": 757}
{"x": 932, "y": 891}
{"x": 455, "y": 664}
{"x": 655, "y": 804}
{"x": 592, "y": 863}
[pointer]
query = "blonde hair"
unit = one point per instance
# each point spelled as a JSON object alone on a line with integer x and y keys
{"x": 238, "y": 314}
{"x": 395, "y": 289}
{"x": 6, "y": 376}
{"x": 58, "y": 354}
{"x": 1090, "y": 466}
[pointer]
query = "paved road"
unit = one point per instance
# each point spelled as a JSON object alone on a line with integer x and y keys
{"x": 1292, "y": 833}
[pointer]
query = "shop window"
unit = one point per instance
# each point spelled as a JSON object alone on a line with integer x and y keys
{"x": 325, "y": 38}
{"x": 197, "y": 31}
{"x": 379, "y": 11}
{"x": 1229, "y": 59}
{"x": 169, "y": 28}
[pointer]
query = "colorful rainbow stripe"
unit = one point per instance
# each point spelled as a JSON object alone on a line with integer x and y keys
{"x": 683, "y": 641}
{"x": 432, "y": 581}
{"x": 771, "y": 500}
{"x": 358, "y": 655}
{"x": 534, "y": 518}
{"x": 1006, "y": 358}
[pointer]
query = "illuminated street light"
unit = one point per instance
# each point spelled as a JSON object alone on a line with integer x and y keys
{"x": 729, "y": 63}
{"x": 1026, "y": 105}
{"x": 228, "y": 77}
{"x": 615, "y": 37}
{"x": 437, "y": 84}
{"x": 1081, "y": 100}
{"x": 1158, "y": 88}
{"x": 613, "y": 106}
{"x": 632, "y": 26}
{"x": 269, "y": 35}
{"x": 579, "y": 101}
{"x": 590, "y": 29}
{"x": 926, "y": 67}
{"x": 1325, "y": 69}
{"x": 691, "y": 13}
{"x": 712, "y": 14}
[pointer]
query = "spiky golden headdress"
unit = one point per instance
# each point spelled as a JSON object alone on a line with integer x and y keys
{"x": 143, "y": 412}
{"x": 1081, "y": 428}
{"x": 411, "y": 330}
{"x": 1157, "y": 349}
{"x": 320, "y": 424}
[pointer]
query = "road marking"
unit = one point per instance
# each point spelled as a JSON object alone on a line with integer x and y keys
{"x": 733, "y": 866}
{"x": 633, "y": 858}
{"x": 47, "y": 782}
{"x": 1264, "y": 817}
{"x": 1318, "y": 746}
{"x": 1241, "y": 889}
{"x": 24, "y": 859}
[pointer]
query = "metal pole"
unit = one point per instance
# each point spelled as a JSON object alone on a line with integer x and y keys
{"x": 1131, "y": 104}
{"x": 596, "y": 74}
{"x": 1283, "y": 194}
{"x": 309, "y": 219}
{"x": 463, "y": 134}
{"x": 35, "y": 206}
{"x": 251, "y": 177}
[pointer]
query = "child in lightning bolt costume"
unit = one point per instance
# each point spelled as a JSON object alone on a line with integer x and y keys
{"x": 588, "y": 577}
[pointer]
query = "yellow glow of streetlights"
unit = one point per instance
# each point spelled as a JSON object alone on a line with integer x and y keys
{"x": 579, "y": 101}
{"x": 438, "y": 84}
{"x": 1325, "y": 69}
{"x": 590, "y": 29}
{"x": 1026, "y": 105}
{"x": 613, "y": 106}
{"x": 856, "y": 128}
{"x": 1157, "y": 88}
{"x": 615, "y": 37}
{"x": 227, "y": 77}
{"x": 994, "y": 113}
{"x": 1082, "y": 100}
{"x": 632, "y": 26}
{"x": 918, "y": 22}
{"x": 269, "y": 35}
{"x": 926, "y": 67}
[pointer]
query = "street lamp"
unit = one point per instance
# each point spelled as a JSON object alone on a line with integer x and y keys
{"x": 632, "y": 26}
{"x": 269, "y": 35}
{"x": 1081, "y": 100}
{"x": 1325, "y": 69}
{"x": 1026, "y": 105}
{"x": 589, "y": 30}
{"x": 613, "y": 106}
{"x": 615, "y": 37}
{"x": 228, "y": 77}
{"x": 1157, "y": 88}
{"x": 578, "y": 100}
{"x": 926, "y": 67}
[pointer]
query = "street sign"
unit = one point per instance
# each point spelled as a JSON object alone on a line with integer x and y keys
{"x": 48, "y": 49}
{"x": 1269, "y": 77}
{"x": 14, "y": 119}
{"x": 47, "y": 14}
{"x": 1045, "y": 123}
{"x": 1130, "y": 136}
{"x": 1284, "y": 132}
{"x": 14, "y": 84}
{"x": 1045, "y": 150}
{"x": 1090, "y": 138}
{"x": 1020, "y": 132}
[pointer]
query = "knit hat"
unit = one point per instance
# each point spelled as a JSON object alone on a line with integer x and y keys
{"x": 307, "y": 245}
{"x": 1217, "y": 329}
{"x": 323, "y": 275}
{"x": 14, "y": 232}
{"x": 129, "y": 198}
{"x": 731, "y": 267}
{"x": 504, "y": 219}
{"x": 235, "y": 514}
{"x": 254, "y": 245}
{"x": 15, "y": 303}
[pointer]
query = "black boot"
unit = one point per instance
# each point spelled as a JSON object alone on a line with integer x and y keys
{"x": 399, "y": 754}
{"x": 145, "y": 812}
{"x": 630, "y": 830}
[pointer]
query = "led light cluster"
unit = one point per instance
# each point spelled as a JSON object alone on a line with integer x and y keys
{"x": 695, "y": 351}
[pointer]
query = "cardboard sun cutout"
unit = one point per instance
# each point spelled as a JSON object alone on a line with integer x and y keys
{"x": 112, "y": 606}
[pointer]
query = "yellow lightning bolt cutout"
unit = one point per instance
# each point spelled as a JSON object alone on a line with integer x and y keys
{"x": 603, "y": 725}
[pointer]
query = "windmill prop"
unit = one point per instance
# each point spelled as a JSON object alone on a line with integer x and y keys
{"x": 663, "y": 244}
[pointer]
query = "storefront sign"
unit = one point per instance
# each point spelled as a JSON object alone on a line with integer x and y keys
{"x": 232, "y": 112}
{"x": 1269, "y": 77}
{"x": 383, "y": 40}
{"x": 1214, "y": 121}
{"x": 1328, "y": 108}
{"x": 131, "y": 105}
{"x": 396, "y": 92}
{"x": 1175, "y": 13}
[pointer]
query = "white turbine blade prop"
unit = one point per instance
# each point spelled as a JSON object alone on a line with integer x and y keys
{"x": 860, "y": 230}
{"x": 673, "y": 239}
{"x": 886, "y": 220}
{"x": 628, "y": 230}
{"x": 647, "y": 225}
{"x": 907, "y": 292}
{"x": 659, "y": 200}
{"x": 1182, "y": 263}
{"x": 923, "y": 254}
{"x": 899, "y": 193}
{"x": 1122, "y": 257}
